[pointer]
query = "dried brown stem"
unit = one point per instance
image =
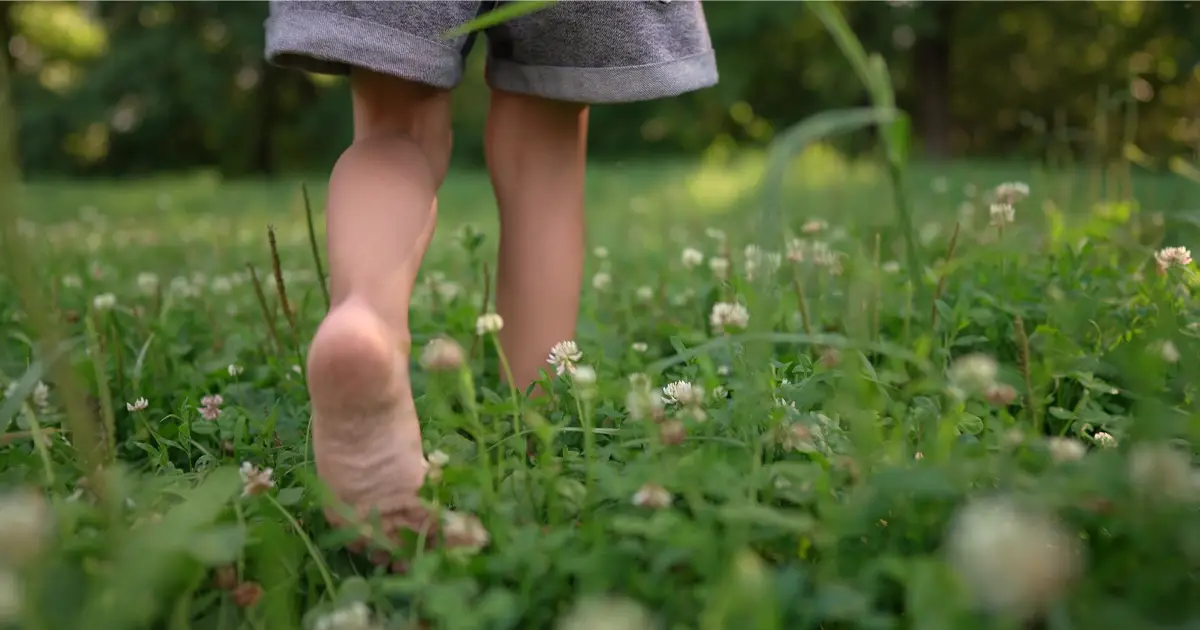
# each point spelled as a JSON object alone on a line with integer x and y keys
{"x": 1025, "y": 365}
{"x": 262, "y": 303}
{"x": 279, "y": 285}
{"x": 801, "y": 303}
{"x": 312, "y": 243}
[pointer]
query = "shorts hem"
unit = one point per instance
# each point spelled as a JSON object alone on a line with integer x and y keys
{"x": 328, "y": 43}
{"x": 624, "y": 84}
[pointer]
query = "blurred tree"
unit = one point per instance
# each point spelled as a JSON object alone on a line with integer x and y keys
{"x": 120, "y": 88}
{"x": 7, "y": 32}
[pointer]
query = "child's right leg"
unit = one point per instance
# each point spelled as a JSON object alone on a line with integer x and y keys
{"x": 381, "y": 215}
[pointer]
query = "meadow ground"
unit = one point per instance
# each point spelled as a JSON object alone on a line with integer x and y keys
{"x": 1007, "y": 444}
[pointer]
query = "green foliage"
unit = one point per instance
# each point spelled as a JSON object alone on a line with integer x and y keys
{"x": 107, "y": 93}
{"x": 798, "y": 501}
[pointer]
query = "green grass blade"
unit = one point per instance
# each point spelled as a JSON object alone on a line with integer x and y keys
{"x": 509, "y": 11}
{"x": 12, "y": 404}
{"x": 834, "y": 341}
{"x": 872, "y": 71}
{"x": 772, "y": 226}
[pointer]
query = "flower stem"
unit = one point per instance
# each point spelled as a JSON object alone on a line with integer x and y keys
{"x": 466, "y": 394}
{"x": 308, "y": 544}
{"x": 589, "y": 440}
{"x": 512, "y": 387}
{"x": 39, "y": 443}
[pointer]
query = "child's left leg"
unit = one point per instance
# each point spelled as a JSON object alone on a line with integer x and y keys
{"x": 381, "y": 215}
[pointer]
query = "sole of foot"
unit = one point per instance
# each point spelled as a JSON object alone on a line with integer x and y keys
{"x": 366, "y": 435}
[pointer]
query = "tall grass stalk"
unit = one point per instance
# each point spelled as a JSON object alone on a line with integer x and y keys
{"x": 21, "y": 263}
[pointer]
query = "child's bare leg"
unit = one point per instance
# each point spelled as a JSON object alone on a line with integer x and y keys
{"x": 382, "y": 211}
{"x": 536, "y": 153}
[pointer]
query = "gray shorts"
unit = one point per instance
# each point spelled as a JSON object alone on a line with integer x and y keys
{"x": 573, "y": 50}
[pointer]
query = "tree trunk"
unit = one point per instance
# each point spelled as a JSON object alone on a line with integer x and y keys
{"x": 931, "y": 65}
{"x": 6, "y": 34}
{"x": 264, "y": 150}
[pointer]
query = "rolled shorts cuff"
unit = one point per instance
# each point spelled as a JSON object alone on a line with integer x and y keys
{"x": 327, "y": 43}
{"x": 625, "y": 84}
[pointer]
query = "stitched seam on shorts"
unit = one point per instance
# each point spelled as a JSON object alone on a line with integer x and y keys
{"x": 382, "y": 49}
{"x": 700, "y": 55}
{"x": 368, "y": 23}
{"x": 616, "y": 84}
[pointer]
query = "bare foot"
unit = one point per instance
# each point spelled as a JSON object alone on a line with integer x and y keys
{"x": 366, "y": 436}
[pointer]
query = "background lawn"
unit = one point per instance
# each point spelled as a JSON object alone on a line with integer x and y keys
{"x": 813, "y": 485}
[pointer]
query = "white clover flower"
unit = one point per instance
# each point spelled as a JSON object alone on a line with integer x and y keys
{"x": 1013, "y": 561}
{"x": 639, "y": 347}
{"x": 488, "y": 323}
{"x": 584, "y": 375}
{"x": 645, "y": 293}
{"x": 25, "y": 520}
{"x": 184, "y": 288}
{"x": 104, "y": 301}
{"x": 600, "y": 252}
{"x": 652, "y": 495}
{"x": 1065, "y": 449}
{"x": 802, "y": 438}
{"x": 138, "y": 405}
{"x": 1011, "y": 193}
{"x": 719, "y": 266}
{"x": 824, "y": 256}
{"x": 729, "y": 315}
{"x": 41, "y": 395}
{"x": 442, "y": 354}
{"x": 1002, "y": 214}
{"x": 356, "y": 616}
{"x": 147, "y": 282}
{"x": 234, "y": 370}
{"x": 1169, "y": 352}
{"x": 601, "y": 281}
{"x": 438, "y": 458}
{"x": 812, "y": 226}
{"x": 683, "y": 393}
{"x": 606, "y": 613}
{"x": 464, "y": 531}
{"x": 1104, "y": 440}
{"x": 1172, "y": 257}
{"x": 974, "y": 373}
{"x": 563, "y": 356}
{"x": 1160, "y": 471}
{"x": 255, "y": 480}
{"x": 692, "y": 257}
{"x": 797, "y": 250}
{"x": 436, "y": 461}
{"x": 220, "y": 285}
{"x": 447, "y": 291}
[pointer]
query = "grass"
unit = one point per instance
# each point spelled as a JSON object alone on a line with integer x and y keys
{"x": 867, "y": 454}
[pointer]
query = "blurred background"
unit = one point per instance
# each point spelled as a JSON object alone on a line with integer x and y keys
{"x": 116, "y": 89}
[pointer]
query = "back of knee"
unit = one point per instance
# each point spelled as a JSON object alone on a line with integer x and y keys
{"x": 400, "y": 122}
